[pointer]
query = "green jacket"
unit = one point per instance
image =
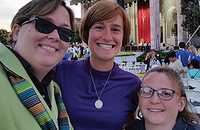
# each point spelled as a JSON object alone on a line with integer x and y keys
{"x": 13, "y": 114}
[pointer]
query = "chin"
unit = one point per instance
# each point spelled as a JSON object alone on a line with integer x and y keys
{"x": 156, "y": 121}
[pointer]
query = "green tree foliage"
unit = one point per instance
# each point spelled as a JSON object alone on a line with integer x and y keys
{"x": 190, "y": 9}
{"x": 77, "y": 38}
{"x": 3, "y": 36}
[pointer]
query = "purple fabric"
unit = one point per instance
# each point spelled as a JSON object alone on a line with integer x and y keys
{"x": 119, "y": 96}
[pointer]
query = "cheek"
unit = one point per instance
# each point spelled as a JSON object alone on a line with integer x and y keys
{"x": 142, "y": 102}
{"x": 119, "y": 39}
{"x": 64, "y": 46}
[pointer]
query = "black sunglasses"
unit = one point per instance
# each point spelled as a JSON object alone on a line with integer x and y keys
{"x": 46, "y": 27}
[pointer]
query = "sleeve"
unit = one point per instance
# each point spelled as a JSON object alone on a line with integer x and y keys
{"x": 179, "y": 66}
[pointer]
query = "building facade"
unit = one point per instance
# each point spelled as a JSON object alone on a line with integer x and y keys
{"x": 154, "y": 21}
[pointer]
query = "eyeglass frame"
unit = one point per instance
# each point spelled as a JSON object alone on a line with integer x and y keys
{"x": 173, "y": 91}
{"x": 55, "y": 27}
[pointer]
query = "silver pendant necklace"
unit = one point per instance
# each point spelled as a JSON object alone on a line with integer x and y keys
{"x": 99, "y": 104}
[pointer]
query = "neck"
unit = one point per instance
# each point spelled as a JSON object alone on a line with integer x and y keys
{"x": 101, "y": 65}
{"x": 40, "y": 73}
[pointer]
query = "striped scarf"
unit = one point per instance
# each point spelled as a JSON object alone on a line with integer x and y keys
{"x": 30, "y": 100}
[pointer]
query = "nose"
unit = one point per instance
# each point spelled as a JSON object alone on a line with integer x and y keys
{"x": 155, "y": 99}
{"x": 108, "y": 35}
{"x": 54, "y": 35}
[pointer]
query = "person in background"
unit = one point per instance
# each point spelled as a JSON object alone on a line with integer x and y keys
{"x": 67, "y": 55}
{"x": 163, "y": 103}
{"x": 152, "y": 60}
{"x": 194, "y": 73}
{"x": 96, "y": 92}
{"x": 166, "y": 60}
{"x": 81, "y": 50}
{"x": 183, "y": 56}
{"x": 175, "y": 64}
{"x": 163, "y": 48}
{"x": 87, "y": 51}
{"x": 192, "y": 51}
{"x": 74, "y": 52}
{"x": 29, "y": 98}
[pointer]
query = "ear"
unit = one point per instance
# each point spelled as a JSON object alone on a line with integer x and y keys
{"x": 182, "y": 104}
{"x": 16, "y": 29}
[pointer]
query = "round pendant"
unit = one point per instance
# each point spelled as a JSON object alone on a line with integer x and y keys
{"x": 98, "y": 104}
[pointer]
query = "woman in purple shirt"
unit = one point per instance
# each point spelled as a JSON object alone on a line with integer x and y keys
{"x": 97, "y": 93}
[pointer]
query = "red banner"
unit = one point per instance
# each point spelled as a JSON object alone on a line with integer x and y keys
{"x": 144, "y": 21}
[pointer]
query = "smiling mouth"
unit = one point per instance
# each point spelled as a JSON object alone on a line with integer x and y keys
{"x": 155, "y": 110}
{"x": 49, "y": 48}
{"x": 105, "y": 46}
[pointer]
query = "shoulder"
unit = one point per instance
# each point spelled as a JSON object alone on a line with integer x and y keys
{"x": 127, "y": 75}
{"x": 69, "y": 66}
{"x": 192, "y": 127}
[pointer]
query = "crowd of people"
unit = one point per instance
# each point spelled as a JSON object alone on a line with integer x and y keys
{"x": 183, "y": 61}
{"x": 77, "y": 51}
{"x": 41, "y": 89}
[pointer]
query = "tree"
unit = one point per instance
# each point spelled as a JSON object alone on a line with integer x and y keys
{"x": 77, "y": 38}
{"x": 3, "y": 36}
{"x": 190, "y": 9}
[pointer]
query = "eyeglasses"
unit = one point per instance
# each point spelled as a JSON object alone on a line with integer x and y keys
{"x": 46, "y": 27}
{"x": 163, "y": 93}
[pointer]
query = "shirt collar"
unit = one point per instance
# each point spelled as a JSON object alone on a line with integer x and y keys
{"x": 45, "y": 81}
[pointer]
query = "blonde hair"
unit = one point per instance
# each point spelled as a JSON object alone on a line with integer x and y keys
{"x": 193, "y": 49}
{"x": 104, "y": 10}
{"x": 188, "y": 116}
{"x": 39, "y": 8}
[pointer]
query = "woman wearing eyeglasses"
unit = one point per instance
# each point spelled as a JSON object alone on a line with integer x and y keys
{"x": 163, "y": 103}
{"x": 40, "y": 35}
{"x": 97, "y": 93}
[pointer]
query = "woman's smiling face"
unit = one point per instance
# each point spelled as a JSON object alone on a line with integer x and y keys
{"x": 105, "y": 38}
{"x": 157, "y": 111}
{"x": 39, "y": 49}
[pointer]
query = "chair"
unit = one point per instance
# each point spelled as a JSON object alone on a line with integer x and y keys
{"x": 137, "y": 67}
{"x": 194, "y": 83}
{"x": 185, "y": 82}
{"x": 193, "y": 98}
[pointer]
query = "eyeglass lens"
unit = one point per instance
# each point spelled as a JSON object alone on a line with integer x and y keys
{"x": 46, "y": 27}
{"x": 165, "y": 94}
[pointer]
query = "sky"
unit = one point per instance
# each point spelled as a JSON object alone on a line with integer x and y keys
{"x": 8, "y": 8}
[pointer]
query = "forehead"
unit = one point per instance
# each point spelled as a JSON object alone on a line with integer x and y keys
{"x": 114, "y": 20}
{"x": 157, "y": 80}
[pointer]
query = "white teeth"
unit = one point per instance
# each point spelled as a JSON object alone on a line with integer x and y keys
{"x": 105, "y": 46}
{"x": 153, "y": 110}
{"x": 48, "y": 48}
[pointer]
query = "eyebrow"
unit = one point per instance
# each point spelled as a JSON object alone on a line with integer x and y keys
{"x": 99, "y": 22}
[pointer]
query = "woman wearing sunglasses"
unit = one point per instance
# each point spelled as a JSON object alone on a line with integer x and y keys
{"x": 41, "y": 33}
{"x": 163, "y": 103}
{"x": 97, "y": 93}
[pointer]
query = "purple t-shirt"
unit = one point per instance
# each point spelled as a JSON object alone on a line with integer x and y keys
{"x": 119, "y": 96}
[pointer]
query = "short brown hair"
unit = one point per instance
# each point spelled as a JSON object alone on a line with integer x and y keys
{"x": 104, "y": 10}
{"x": 39, "y": 8}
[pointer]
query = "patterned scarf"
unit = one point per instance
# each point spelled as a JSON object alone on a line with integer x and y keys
{"x": 30, "y": 100}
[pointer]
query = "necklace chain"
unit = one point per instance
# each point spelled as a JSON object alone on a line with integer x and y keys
{"x": 98, "y": 96}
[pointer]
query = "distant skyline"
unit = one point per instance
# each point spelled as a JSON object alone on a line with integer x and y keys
{"x": 8, "y": 8}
